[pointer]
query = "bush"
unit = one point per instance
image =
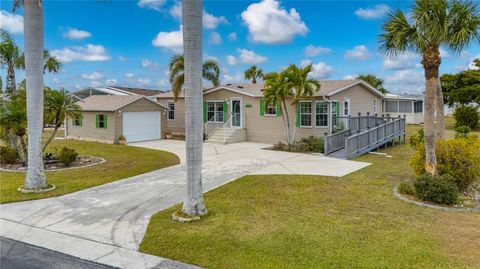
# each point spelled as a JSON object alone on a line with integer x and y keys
{"x": 314, "y": 144}
{"x": 406, "y": 187}
{"x": 437, "y": 189}
{"x": 462, "y": 131}
{"x": 416, "y": 140}
{"x": 306, "y": 144}
{"x": 8, "y": 155}
{"x": 66, "y": 156}
{"x": 466, "y": 116}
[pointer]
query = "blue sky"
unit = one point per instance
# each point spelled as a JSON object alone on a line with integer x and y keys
{"x": 129, "y": 43}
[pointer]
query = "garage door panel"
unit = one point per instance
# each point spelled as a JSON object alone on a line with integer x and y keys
{"x": 141, "y": 126}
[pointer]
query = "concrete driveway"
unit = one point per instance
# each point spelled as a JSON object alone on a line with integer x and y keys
{"x": 106, "y": 224}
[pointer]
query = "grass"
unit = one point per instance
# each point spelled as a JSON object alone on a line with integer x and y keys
{"x": 291, "y": 221}
{"x": 450, "y": 125}
{"x": 121, "y": 162}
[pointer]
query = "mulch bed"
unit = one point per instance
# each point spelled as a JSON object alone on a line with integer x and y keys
{"x": 82, "y": 161}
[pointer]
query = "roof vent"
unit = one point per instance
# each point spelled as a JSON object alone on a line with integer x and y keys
{"x": 229, "y": 84}
{"x": 240, "y": 87}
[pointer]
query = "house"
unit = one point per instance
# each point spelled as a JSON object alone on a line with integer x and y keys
{"x": 410, "y": 105}
{"x": 239, "y": 113}
{"x": 107, "y": 117}
{"x": 114, "y": 90}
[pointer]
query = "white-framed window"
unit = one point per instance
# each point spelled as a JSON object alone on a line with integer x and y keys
{"x": 215, "y": 111}
{"x": 271, "y": 110}
{"x": 374, "y": 106}
{"x": 305, "y": 114}
{"x": 346, "y": 107}
{"x": 321, "y": 114}
{"x": 334, "y": 113}
{"x": 171, "y": 110}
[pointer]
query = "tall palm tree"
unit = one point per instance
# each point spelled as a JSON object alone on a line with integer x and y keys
{"x": 193, "y": 204}
{"x": 253, "y": 73}
{"x": 10, "y": 58}
{"x": 452, "y": 24}
{"x": 59, "y": 104}
{"x": 210, "y": 72}
{"x": 275, "y": 92}
{"x": 33, "y": 27}
{"x": 50, "y": 63}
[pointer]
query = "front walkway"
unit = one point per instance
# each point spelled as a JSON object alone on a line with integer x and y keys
{"x": 107, "y": 223}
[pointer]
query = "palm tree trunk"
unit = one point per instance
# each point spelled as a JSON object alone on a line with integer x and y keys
{"x": 192, "y": 46}
{"x": 50, "y": 138}
{"x": 431, "y": 65}
{"x": 23, "y": 150}
{"x": 33, "y": 25}
{"x": 286, "y": 121}
{"x": 11, "y": 83}
{"x": 440, "y": 113}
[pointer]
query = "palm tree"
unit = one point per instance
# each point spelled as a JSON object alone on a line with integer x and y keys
{"x": 375, "y": 81}
{"x": 13, "y": 123}
{"x": 253, "y": 73}
{"x": 59, "y": 104}
{"x": 50, "y": 63}
{"x": 10, "y": 57}
{"x": 452, "y": 24}
{"x": 275, "y": 92}
{"x": 210, "y": 72}
{"x": 193, "y": 204}
{"x": 33, "y": 27}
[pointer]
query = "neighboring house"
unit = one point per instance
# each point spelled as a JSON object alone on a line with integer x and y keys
{"x": 107, "y": 117}
{"x": 115, "y": 90}
{"x": 238, "y": 111}
{"x": 410, "y": 105}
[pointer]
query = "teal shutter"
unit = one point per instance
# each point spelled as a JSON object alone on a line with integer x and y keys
{"x": 297, "y": 116}
{"x": 96, "y": 120}
{"x": 225, "y": 111}
{"x": 262, "y": 107}
{"x": 278, "y": 109}
{"x": 205, "y": 112}
{"x": 105, "y": 121}
{"x": 80, "y": 120}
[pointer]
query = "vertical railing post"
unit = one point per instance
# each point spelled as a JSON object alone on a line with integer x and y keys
{"x": 325, "y": 144}
{"x": 359, "y": 122}
{"x": 368, "y": 120}
{"x": 346, "y": 147}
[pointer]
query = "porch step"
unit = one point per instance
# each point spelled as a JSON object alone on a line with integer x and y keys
{"x": 228, "y": 135}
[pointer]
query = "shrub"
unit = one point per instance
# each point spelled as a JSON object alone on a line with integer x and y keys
{"x": 314, "y": 144}
{"x": 406, "y": 187}
{"x": 462, "y": 131}
{"x": 306, "y": 144}
{"x": 67, "y": 156}
{"x": 437, "y": 189}
{"x": 416, "y": 140}
{"x": 466, "y": 116}
{"x": 8, "y": 155}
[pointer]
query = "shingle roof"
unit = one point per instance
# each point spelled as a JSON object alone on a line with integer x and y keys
{"x": 109, "y": 102}
{"x": 140, "y": 91}
{"x": 256, "y": 90}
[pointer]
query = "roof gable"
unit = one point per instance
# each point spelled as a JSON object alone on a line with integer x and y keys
{"x": 110, "y": 102}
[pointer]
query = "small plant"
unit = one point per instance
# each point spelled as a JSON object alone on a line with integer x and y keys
{"x": 315, "y": 144}
{"x": 8, "y": 155}
{"x": 462, "y": 131}
{"x": 437, "y": 189}
{"x": 406, "y": 187}
{"x": 466, "y": 116}
{"x": 66, "y": 156}
{"x": 416, "y": 140}
{"x": 122, "y": 138}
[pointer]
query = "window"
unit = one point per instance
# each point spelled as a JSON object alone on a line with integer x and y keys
{"x": 321, "y": 114}
{"x": 405, "y": 106}
{"x": 374, "y": 106}
{"x": 391, "y": 106}
{"x": 271, "y": 110}
{"x": 215, "y": 111}
{"x": 171, "y": 110}
{"x": 346, "y": 107}
{"x": 418, "y": 107}
{"x": 77, "y": 121}
{"x": 305, "y": 114}
{"x": 334, "y": 113}
{"x": 101, "y": 121}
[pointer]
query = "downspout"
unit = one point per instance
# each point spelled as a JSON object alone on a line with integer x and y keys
{"x": 330, "y": 127}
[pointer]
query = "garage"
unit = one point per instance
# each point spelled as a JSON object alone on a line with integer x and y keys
{"x": 141, "y": 126}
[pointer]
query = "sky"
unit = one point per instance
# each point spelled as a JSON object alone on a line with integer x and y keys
{"x": 130, "y": 43}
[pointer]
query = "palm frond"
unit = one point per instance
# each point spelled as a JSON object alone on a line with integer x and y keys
{"x": 463, "y": 25}
{"x": 211, "y": 72}
{"x": 177, "y": 86}
{"x": 398, "y": 35}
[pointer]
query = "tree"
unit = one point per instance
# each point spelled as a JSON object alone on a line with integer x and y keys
{"x": 58, "y": 104}
{"x": 293, "y": 85}
{"x": 10, "y": 57}
{"x": 13, "y": 123}
{"x": 210, "y": 72}
{"x": 193, "y": 204}
{"x": 50, "y": 63}
{"x": 33, "y": 27}
{"x": 452, "y": 24}
{"x": 375, "y": 81}
{"x": 462, "y": 88}
{"x": 253, "y": 73}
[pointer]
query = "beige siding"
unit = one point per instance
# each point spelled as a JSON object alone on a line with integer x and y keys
{"x": 89, "y": 131}
{"x": 361, "y": 100}
{"x": 176, "y": 125}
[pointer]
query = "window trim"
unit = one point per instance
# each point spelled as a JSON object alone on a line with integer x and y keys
{"x": 335, "y": 104}
{"x": 300, "y": 111}
{"x": 105, "y": 126}
{"x": 328, "y": 115}
{"x": 215, "y": 102}
{"x": 375, "y": 106}
{"x": 74, "y": 120}
{"x": 168, "y": 111}
{"x": 348, "y": 107}
{"x": 269, "y": 114}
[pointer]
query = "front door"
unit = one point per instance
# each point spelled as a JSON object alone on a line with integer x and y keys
{"x": 236, "y": 113}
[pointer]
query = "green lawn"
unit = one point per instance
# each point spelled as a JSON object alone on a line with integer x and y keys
{"x": 121, "y": 162}
{"x": 279, "y": 221}
{"x": 450, "y": 125}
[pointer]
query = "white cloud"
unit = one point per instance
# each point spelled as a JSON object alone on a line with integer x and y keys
{"x": 402, "y": 61}
{"x": 170, "y": 40}
{"x": 235, "y": 78}
{"x": 129, "y": 75}
{"x": 269, "y": 23}
{"x": 409, "y": 80}
{"x": 211, "y": 22}
{"x": 146, "y": 63}
{"x": 76, "y": 34}
{"x": 350, "y": 77}
{"x": 444, "y": 53}
{"x": 95, "y": 83}
{"x": 210, "y": 57}
{"x": 78, "y": 87}
{"x": 151, "y": 4}
{"x": 303, "y": 63}
{"x": 111, "y": 81}
{"x": 88, "y": 53}
{"x": 231, "y": 60}
{"x": 377, "y": 12}
{"x": 250, "y": 57}
{"x": 311, "y": 51}
{"x": 122, "y": 58}
{"x": 176, "y": 10}
{"x": 92, "y": 76}
{"x": 163, "y": 83}
{"x": 144, "y": 81}
{"x": 232, "y": 36}
{"x": 214, "y": 38}
{"x": 360, "y": 53}
{"x": 320, "y": 70}
{"x": 10, "y": 22}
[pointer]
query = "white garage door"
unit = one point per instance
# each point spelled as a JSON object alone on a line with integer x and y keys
{"x": 140, "y": 126}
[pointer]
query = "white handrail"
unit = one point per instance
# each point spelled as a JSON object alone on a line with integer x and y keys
{"x": 224, "y": 126}
{"x": 211, "y": 121}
